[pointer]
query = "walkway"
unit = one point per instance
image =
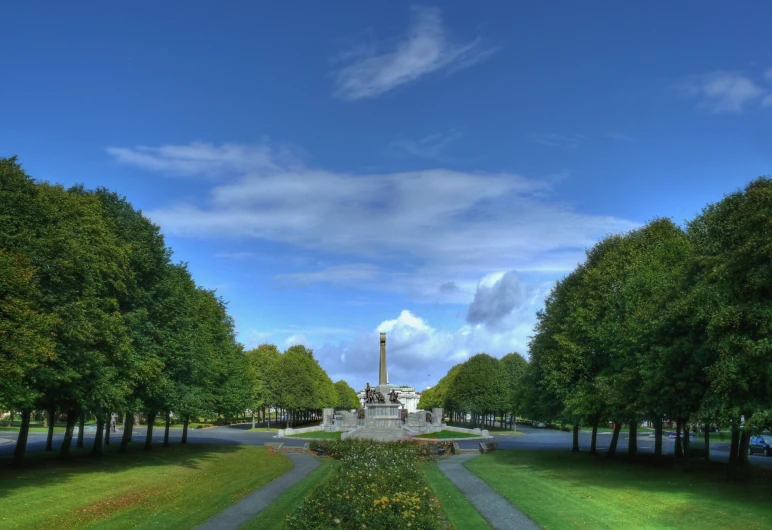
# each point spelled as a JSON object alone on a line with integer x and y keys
{"x": 498, "y": 511}
{"x": 248, "y": 507}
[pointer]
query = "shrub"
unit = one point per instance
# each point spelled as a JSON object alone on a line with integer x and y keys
{"x": 377, "y": 486}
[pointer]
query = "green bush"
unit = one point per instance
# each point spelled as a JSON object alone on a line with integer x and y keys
{"x": 377, "y": 486}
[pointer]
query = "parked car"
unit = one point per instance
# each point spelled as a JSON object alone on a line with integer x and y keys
{"x": 760, "y": 444}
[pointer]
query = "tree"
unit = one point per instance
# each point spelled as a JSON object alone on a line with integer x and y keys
{"x": 347, "y": 396}
{"x": 733, "y": 276}
{"x": 262, "y": 365}
{"x": 478, "y": 387}
{"x": 514, "y": 368}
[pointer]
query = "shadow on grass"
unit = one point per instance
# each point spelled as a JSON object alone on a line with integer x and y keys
{"x": 42, "y": 469}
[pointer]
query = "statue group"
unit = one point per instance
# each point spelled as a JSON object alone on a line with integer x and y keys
{"x": 373, "y": 396}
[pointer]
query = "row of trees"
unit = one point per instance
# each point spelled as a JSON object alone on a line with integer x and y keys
{"x": 664, "y": 322}
{"x": 483, "y": 386}
{"x": 660, "y": 322}
{"x": 95, "y": 317}
{"x": 293, "y": 382}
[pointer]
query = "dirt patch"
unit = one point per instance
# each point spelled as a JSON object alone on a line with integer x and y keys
{"x": 110, "y": 506}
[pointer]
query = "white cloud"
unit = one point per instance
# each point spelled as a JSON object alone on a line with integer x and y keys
{"x": 419, "y": 354}
{"x": 457, "y": 225}
{"x": 433, "y": 146}
{"x": 425, "y": 49}
{"x": 723, "y": 91}
{"x": 205, "y": 159}
{"x": 340, "y": 274}
{"x": 558, "y": 140}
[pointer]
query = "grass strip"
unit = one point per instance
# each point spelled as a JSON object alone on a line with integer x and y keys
{"x": 457, "y": 509}
{"x": 57, "y": 430}
{"x": 272, "y": 518}
{"x": 176, "y": 487}
{"x": 567, "y": 490}
{"x": 323, "y": 435}
{"x": 442, "y": 435}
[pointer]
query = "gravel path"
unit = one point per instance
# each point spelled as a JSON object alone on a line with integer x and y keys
{"x": 248, "y": 507}
{"x": 498, "y": 511}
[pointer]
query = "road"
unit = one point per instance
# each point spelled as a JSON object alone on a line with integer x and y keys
{"x": 531, "y": 439}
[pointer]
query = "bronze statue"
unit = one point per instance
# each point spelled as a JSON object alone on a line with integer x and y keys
{"x": 368, "y": 393}
{"x": 394, "y": 396}
{"x": 379, "y": 397}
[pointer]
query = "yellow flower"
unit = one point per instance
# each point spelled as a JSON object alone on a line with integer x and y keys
{"x": 336, "y": 521}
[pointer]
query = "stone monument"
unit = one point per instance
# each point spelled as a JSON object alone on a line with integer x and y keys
{"x": 383, "y": 416}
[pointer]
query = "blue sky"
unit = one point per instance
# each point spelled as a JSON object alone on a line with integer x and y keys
{"x": 428, "y": 170}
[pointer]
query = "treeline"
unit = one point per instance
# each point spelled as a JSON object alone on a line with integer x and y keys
{"x": 665, "y": 323}
{"x": 96, "y": 318}
{"x": 293, "y": 383}
{"x": 660, "y": 322}
{"x": 483, "y": 387}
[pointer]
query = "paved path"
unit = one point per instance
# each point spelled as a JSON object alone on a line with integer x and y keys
{"x": 498, "y": 511}
{"x": 248, "y": 507}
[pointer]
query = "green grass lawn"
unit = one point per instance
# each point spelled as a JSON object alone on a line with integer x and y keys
{"x": 458, "y": 511}
{"x": 317, "y": 434}
{"x": 176, "y": 487}
{"x": 272, "y": 517}
{"x": 446, "y": 434}
{"x": 57, "y": 430}
{"x": 567, "y": 490}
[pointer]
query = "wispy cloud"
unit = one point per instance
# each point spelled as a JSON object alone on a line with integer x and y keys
{"x": 558, "y": 140}
{"x": 440, "y": 225}
{"x": 207, "y": 160}
{"x": 616, "y": 135}
{"x": 235, "y": 255}
{"x": 723, "y": 91}
{"x": 434, "y": 146}
{"x": 424, "y": 50}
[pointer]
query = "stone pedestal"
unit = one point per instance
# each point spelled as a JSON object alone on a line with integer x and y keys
{"x": 385, "y": 415}
{"x": 437, "y": 417}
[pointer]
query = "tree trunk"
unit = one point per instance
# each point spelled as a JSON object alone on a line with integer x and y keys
{"x": 128, "y": 426}
{"x": 166, "y": 430}
{"x": 96, "y": 449}
{"x": 742, "y": 450}
{"x": 51, "y": 421}
{"x": 612, "y": 448}
{"x": 658, "y": 437}
{"x": 731, "y": 468}
{"x": 185, "y": 430}
{"x": 632, "y": 442}
{"x": 21, "y": 441}
{"x": 72, "y": 417}
{"x": 687, "y": 446}
{"x": 594, "y": 438}
{"x": 253, "y": 419}
{"x": 81, "y": 425}
{"x": 707, "y": 443}
{"x": 575, "y": 445}
{"x": 149, "y": 435}
{"x": 678, "y": 450}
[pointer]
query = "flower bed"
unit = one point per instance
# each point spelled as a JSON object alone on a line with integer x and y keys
{"x": 378, "y": 486}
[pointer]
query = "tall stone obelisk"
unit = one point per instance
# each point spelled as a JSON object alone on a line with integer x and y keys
{"x": 383, "y": 377}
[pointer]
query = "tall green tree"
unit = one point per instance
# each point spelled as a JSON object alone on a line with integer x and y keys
{"x": 346, "y": 396}
{"x": 733, "y": 270}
